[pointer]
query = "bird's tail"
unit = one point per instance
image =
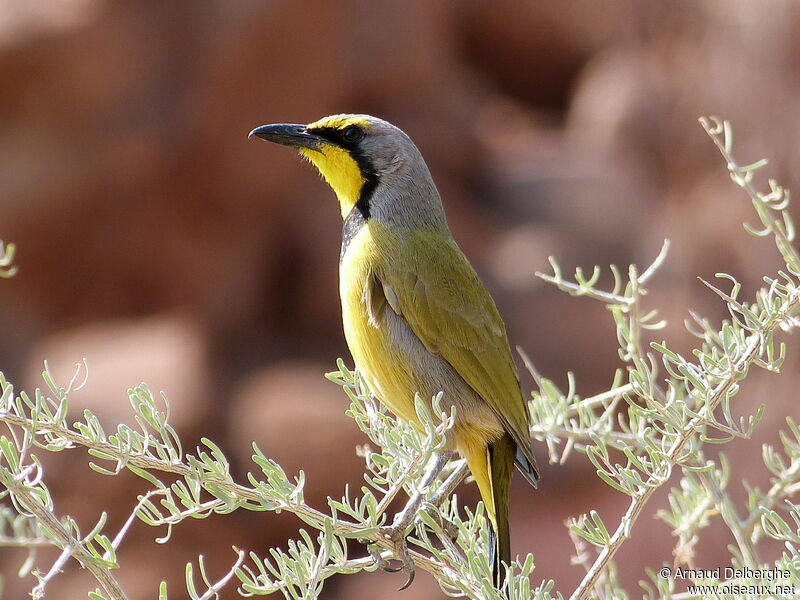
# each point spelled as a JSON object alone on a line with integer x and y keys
{"x": 501, "y": 467}
{"x": 492, "y": 469}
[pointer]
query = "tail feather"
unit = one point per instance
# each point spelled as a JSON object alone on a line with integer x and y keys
{"x": 527, "y": 467}
{"x": 501, "y": 467}
{"x": 493, "y": 468}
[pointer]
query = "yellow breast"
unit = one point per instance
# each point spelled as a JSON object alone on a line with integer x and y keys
{"x": 383, "y": 364}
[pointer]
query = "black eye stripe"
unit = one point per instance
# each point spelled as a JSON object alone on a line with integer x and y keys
{"x": 371, "y": 176}
{"x": 347, "y": 137}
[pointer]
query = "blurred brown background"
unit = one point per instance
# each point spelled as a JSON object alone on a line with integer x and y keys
{"x": 159, "y": 243}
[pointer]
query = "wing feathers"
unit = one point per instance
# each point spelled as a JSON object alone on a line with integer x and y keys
{"x": 374, "y": 300}
{"x": 392, "y": 299}
{"x": 436, "y": 291}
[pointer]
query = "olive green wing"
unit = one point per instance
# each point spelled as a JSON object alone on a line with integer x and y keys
{"x": 437, "y": 292}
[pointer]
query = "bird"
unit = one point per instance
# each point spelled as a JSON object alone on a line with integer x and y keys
{"x": 416, "y": 317}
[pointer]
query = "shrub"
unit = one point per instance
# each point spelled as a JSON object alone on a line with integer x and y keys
{"x": 650, "y": 428}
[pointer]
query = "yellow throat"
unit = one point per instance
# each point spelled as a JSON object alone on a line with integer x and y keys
{"x": 341, "y": 171}
{"x": 336, "y": 165}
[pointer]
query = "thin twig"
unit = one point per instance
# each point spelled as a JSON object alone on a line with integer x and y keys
{"x": 638, "y": 501}
{"x": 314, "y": 517}
{"x": 129, "y": 522}
{"x": 61, "y": 536}
{"x": 38, "y": 591}
{"x": 213, "y": 590}
{"x": 15, "y": 542}
{"x": 728, "y": 512}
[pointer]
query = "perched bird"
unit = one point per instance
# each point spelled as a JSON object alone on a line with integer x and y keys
{"x": 416, "y": 317}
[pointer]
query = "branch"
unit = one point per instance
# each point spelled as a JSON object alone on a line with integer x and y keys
{"x": 63, "y": 538}
{"x": 639, "y": 500}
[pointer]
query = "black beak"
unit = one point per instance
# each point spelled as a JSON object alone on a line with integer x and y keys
{"x": 287, "y": 134}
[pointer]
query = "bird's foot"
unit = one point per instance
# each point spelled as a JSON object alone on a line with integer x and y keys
{"x": 449, "y": 528}
{"x": 397, "y": 534}
{"x": 399, "y": 554}
{"x": 375, "y": 553}
{"x": 403, "y": 520}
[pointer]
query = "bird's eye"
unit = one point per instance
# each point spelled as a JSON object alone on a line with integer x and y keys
{"x": 352, "y": 134}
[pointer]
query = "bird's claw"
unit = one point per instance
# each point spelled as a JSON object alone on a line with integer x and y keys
{"x": 397, "y": 536}
{"x": 388, "y": 568}
{"x": 380, "y": 561}
{"x": 407, "y": 564}
{"x": 396, "y": 532}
